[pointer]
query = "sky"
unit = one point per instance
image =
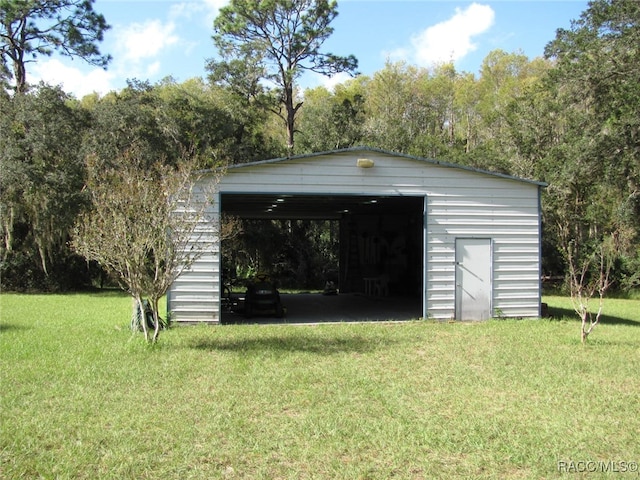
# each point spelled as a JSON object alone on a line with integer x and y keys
{"x": 150, "y": 40}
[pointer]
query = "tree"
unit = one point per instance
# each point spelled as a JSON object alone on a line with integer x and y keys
{"x": 40, "y": 187}
{"x": 332, "y": 120}
{"x": 33, "y": 28}
{"x": 598, "y": 66}
{"x": 589, "y": 274}
{"x": 409, "y": 109}
{"x": 579, "y": 129}
{"x": 147, "y": 224}
{"x": 164, "y": 120}
{"x": 392, "y": 107}
{"x": 236, "y": 85}
{"x": 278, "y": 40}
{"x": 131, "y": 116}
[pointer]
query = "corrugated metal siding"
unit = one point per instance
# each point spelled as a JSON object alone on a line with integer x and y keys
{"x": 195, "y": 295}
{"x": 461, "y": 203}
{"x": 486, "y": 208}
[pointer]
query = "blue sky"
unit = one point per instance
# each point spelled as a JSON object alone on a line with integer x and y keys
{"x": 150, "y": 39}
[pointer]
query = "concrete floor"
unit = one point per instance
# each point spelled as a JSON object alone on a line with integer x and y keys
{"x": 312, "y": 308}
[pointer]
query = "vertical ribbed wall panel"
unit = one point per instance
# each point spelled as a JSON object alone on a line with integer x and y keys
{"x": 195, "y": 294}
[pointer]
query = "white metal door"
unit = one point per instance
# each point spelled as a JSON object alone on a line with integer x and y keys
{"x": 473, "y": 278}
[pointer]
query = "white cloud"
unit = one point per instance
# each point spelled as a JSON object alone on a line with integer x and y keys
{"x": 72, "y": 79}
{"x": 215, "y": 5}
{"x": 313, "y": 80}
{"x": 212, "y": 7}
{"x": 330, "y": 82}
{"x": 152, "y": 69}
{"x": 139, "y": 50}
{"x": 146, "y": 40}
{"x": 206, "y": 10}
{"x": 450, "y": 40}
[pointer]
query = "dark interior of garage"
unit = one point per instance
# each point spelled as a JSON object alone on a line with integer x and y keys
{"x": 368, "y": 247}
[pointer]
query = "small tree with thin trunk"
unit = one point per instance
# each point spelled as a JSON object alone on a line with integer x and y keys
{"x": 589, "y": 276}
{"x": 589, "y": 236}
{"x": 148, "y": 224}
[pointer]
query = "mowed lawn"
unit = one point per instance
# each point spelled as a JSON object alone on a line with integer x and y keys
{"x": 81, "y": 397}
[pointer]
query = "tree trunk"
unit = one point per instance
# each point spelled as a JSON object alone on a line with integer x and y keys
{"x": 290, "y": 129}
{"x": 156, "y": 320}
{"x": 9, "y": 222}
{"x": 143, "y": 320}
{"x": 20, "y": 75}
{"x": 584, "y": 332}
{"x": 17, "y": 56}
{"x": 290, "y": 119}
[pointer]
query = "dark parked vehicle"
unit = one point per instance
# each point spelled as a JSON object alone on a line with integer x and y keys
{"x": 262, "y": 297}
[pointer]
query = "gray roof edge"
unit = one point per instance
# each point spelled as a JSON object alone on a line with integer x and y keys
{"x": 363, "y": 148}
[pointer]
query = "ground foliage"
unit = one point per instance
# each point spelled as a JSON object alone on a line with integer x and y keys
{"x": 84, "y": 398}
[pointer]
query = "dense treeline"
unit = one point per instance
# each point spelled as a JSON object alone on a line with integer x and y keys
{"x": 47, "y": 137}
{"x": 571, "y": 119}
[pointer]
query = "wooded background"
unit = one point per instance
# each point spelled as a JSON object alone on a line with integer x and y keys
{"x": 571, "y": 119}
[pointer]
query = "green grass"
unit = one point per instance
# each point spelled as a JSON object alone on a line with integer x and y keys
{"x": 84, "y": 398}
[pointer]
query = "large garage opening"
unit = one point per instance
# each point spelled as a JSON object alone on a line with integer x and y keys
{"x": 332, "y": 257}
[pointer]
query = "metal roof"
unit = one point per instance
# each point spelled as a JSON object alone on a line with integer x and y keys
{"x": 360, "y": 149}
{"x": 331, "y": 206}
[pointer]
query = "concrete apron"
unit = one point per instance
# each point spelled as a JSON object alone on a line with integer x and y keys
{"x": 313, "y": 308}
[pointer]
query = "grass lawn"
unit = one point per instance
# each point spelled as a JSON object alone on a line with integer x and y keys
{"x": 84, "y": 398}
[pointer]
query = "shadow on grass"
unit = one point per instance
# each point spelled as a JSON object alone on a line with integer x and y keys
{"x": 5, "y": 327}
{"x": 557, "y": 313}
{"x": 297, "y": 343}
